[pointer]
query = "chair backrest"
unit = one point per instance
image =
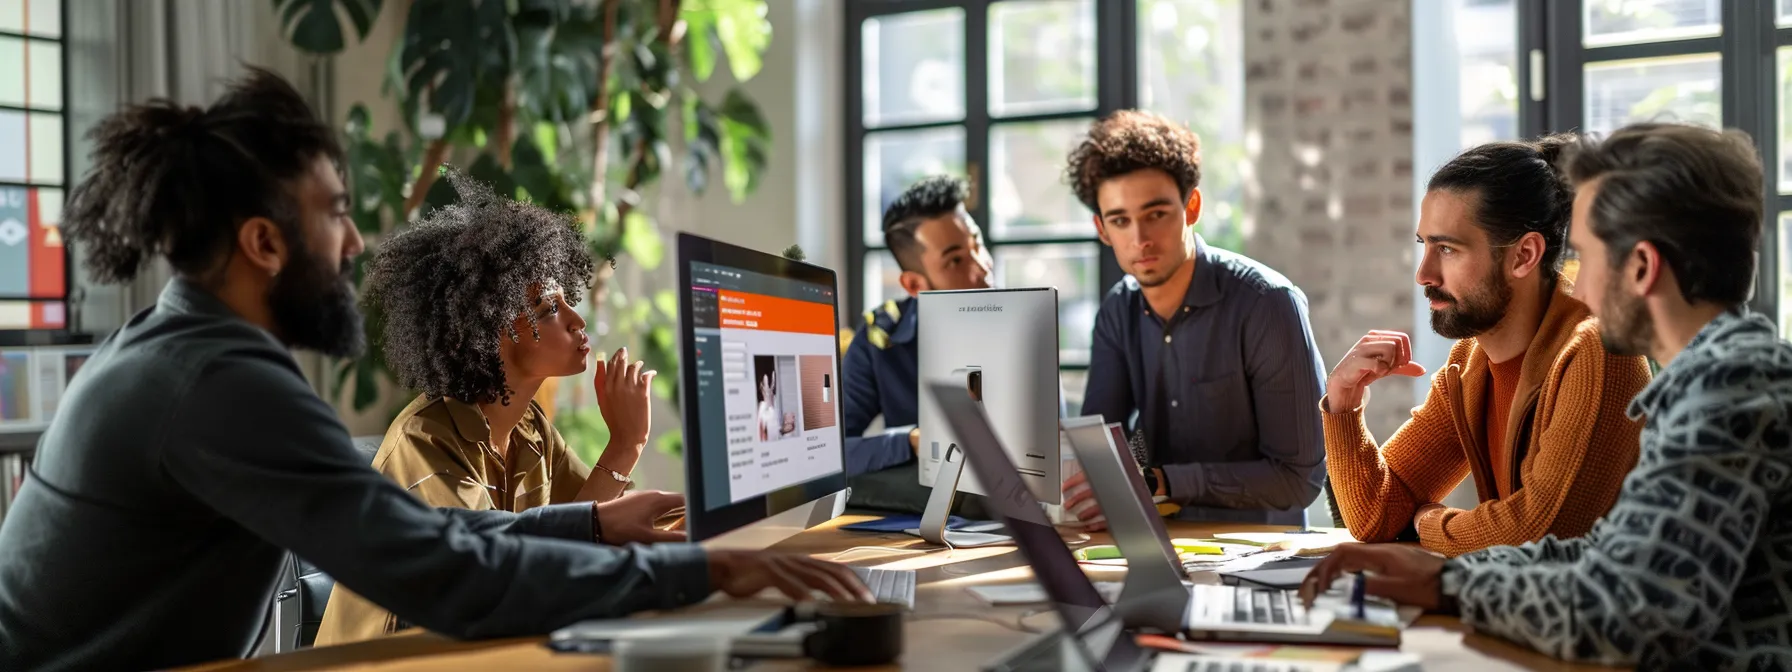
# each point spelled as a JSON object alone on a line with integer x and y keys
{"x": 304, "y": 589}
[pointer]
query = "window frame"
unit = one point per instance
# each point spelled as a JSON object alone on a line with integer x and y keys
{"x": 1551, "y": 47}
{"x": 65, "y": 334}
{"x": 1116, "y": 61}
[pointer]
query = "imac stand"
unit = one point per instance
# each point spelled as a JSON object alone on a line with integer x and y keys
{"x": 773, "y": 529}
{"x": 945, "y": 488}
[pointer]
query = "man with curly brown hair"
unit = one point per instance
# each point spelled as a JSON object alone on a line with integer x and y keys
{"x": 1204, "y": 353}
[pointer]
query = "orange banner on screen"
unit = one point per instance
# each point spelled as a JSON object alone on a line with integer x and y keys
{"x": 770, "y": 313}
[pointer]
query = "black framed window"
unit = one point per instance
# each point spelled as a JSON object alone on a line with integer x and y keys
{"x": 999, "y": 92}
{"x": 1595, "y": 65}
{"x": 34, "y": 264}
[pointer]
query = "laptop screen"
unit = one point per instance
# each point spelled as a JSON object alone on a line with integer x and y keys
{"x": 1074, "y": 597}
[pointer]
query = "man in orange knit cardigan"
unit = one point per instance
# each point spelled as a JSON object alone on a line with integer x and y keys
{"x": 1529, "y": 402}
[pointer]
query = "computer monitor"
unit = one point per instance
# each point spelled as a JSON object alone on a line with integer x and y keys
{"x": 1003, "y": 343}
{"x": 764, "y": 456}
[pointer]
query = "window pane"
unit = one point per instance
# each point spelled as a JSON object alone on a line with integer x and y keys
{"x": 12, "y": 146}
{"x": 1028, "y": 197}
{"x": 881, "y": 272}
{"x": 896, "y": 159}
{"x": 1489, "y": 69}
{"x": 1073, "y": 268}
{"x": 1785, "y": 123}
{"x": 1785, "y": 12}
{"x": 1191, "y": 69}
{"x": 1628, "y": 21}
{"x": 913, "y": 67}
{"x": 44, "y": 75}
{"x": 1041, "y": 57}
{"x": 1785, "y": 239}
{"x": 1073, "y": 382}
{"x": 1680, "y": 88}
{"x": 45, "y": 132}
{"x": 36, "y": 17}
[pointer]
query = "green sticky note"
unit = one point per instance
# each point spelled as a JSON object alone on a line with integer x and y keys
{"x": 1103, "y": 552}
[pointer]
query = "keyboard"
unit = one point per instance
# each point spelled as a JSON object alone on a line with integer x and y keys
{"x": 1247, "y": 665}
{"x": 1243, "y": 604}
{"x": 890, "y": 586}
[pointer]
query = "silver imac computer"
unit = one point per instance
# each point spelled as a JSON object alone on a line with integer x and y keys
{"x": 1001, "y": 345}
{"x": 764, "y": 455}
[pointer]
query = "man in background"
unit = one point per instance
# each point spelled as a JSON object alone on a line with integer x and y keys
{"x": 938, "y": 246}
{"x": 1205, "y": 353}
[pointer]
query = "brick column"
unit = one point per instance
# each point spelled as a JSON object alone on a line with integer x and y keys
{"x": 1328, "y": 193}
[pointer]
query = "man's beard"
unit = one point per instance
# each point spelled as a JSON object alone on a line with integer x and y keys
{"x": 1474, "y": 313}
{"x": 313, "y": 306}
{"x": 1624, "y": 326}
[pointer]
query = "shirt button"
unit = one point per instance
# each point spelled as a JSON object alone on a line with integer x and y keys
{"x": 1166, "y": 338}
{"x": 1173, "y": 403}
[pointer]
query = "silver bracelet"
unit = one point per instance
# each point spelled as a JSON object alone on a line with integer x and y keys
{"x": 616, "y": 475}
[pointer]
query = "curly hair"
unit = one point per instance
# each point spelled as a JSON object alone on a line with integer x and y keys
{"x": 929, "y": 198}
{"x": 449, "y": 285}
{"x": 1128, "y": 141}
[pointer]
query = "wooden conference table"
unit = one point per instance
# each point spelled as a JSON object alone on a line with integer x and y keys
{"x": 950, "y": 628}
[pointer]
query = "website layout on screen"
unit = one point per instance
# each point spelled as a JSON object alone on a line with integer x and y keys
{"x": 766, "y": 390}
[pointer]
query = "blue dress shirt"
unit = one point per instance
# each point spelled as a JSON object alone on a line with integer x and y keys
{"x": 1225, "y": 392}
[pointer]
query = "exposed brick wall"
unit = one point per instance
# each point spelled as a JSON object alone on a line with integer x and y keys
{"x": 1328, "y": 197}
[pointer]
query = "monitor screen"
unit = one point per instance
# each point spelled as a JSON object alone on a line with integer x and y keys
{"x": 766, "y": 353}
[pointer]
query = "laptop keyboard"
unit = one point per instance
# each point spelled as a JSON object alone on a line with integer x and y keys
{"x": 890, "y": 586}
{"x": 1254, "y": 606}
{"x": 1246, "y": 666}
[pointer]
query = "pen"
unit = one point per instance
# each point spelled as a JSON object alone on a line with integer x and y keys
{"x": 1356, "y": 596}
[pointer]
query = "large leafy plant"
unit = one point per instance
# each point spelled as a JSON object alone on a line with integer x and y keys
{"x": 576, "y": 106}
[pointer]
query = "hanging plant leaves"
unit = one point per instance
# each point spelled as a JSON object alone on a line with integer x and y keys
{"x": 376, "y": 172}
{"x": 452, "y": 50}
{"x": 558, "y": 57}
{"x": 739, "y": 28}
{"x": 746, "y": 144}
{"x": 642, "y": 240}
{"x": 314, "y": 26}
{"x": 541, "y": 183}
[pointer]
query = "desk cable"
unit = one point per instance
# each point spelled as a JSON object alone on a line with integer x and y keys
{"x": 1019, "y": 624}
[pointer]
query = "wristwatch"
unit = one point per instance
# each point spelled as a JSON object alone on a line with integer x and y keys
{"x": 1150, "y": 482}
{"x": 597, "y": 526}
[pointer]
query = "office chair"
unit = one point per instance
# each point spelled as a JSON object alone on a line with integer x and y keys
{"x": 305, "y": 589}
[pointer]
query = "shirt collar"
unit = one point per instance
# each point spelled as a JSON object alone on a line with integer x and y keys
{"x": 470, "y": 422}
{"x": 1204, "y": 283}
{"x": 182, "y": 296}
{"x": 1726, "y": 325}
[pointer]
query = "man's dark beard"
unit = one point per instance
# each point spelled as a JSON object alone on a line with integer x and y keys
{"x": 1624, "y": 326}
{"x": 1472, "y": 314}
{"x": 313, "y": 306}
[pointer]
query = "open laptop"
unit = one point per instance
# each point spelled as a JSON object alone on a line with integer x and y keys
{"x": 1092, "y": 637}
{"x": 1155, "y": 596}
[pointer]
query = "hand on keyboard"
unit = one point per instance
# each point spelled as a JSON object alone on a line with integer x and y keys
{"x": 746, "y": 573}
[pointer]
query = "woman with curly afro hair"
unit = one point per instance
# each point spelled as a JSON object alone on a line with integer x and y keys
{"x": 477, "y": 304}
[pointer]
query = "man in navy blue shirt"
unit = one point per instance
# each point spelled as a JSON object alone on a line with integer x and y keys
{"x": 939, "y": 247}
{"x": 1205, "y": 354}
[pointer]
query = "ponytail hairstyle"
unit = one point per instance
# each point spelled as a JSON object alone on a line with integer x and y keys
{"x": 1517, "y": 189}
{"x": 175, "y": 181}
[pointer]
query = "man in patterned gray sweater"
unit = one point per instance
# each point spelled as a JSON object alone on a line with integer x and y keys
{"x": 1692, "y": 568}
